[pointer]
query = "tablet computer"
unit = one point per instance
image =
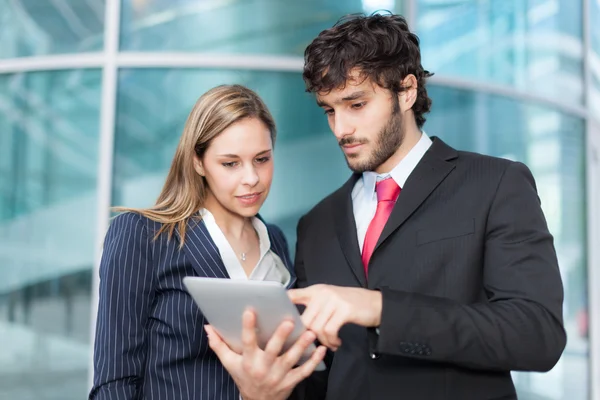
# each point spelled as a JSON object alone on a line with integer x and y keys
{"x": 223, "y": 301}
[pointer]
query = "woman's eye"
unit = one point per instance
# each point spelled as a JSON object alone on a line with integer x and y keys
{"x": 262, "y": 160}
{"x": 229, "y": 164}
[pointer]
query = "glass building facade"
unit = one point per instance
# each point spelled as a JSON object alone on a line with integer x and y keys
{"x": 94, "y": 95}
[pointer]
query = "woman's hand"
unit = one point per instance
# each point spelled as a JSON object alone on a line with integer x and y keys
{"x": 265, "y": 374}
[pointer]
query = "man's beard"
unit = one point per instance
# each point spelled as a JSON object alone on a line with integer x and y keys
{"x": 388, "y": 140}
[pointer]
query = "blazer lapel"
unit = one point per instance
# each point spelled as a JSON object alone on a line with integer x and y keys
{"x": 429, "y": 173}
{"x": 202, "y": 252}
{"x": 345, "y": 226}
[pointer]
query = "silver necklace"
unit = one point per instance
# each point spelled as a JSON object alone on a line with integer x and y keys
{"x": 245, "y": 253}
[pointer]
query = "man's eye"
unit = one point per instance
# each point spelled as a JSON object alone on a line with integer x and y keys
{"x": 358, "y": 105}
{"x": 329, "y": 112}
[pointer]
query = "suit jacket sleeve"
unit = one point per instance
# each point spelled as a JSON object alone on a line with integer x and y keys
{"x": 125, "y": 295}
{"x": 520, "y": 325}
{"x": 315, "y": 386}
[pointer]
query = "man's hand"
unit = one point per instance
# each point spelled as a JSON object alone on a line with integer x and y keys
{"x": 266, "y": 374}
{"x": 329, "y": 307}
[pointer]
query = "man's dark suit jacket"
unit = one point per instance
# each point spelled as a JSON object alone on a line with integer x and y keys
{"x": 469, "y": 278}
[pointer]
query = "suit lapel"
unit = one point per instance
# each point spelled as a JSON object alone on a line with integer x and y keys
{"x": 202, "y": 252}
{"x": 345, "y": 226}
{"x": 428, "y": 174}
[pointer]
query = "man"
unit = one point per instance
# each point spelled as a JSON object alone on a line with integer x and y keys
{"x": 431, "y": 273}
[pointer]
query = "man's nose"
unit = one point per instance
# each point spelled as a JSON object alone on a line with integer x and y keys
{"x": 341, "y": 127}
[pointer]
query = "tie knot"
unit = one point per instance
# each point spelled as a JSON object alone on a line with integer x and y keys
{"x": 387, "y": 190}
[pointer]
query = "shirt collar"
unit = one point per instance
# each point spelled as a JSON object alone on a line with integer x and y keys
{"x": 402, "y": 170}
{"x": 263, "y": 236}
{"x": 259, "y": 226}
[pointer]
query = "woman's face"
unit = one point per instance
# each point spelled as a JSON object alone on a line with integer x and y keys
{"x": 238, "y": 167}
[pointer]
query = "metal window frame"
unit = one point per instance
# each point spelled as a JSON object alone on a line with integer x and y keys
{"x": 106, "y": 155}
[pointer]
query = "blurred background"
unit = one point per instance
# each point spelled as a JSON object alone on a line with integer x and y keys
{"x": 94, "y": 95}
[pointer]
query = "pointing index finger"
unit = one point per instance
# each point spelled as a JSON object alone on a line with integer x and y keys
{"x": 300, "y": 296}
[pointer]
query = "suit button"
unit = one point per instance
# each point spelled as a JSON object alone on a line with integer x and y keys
{"x": 374, "y": 356}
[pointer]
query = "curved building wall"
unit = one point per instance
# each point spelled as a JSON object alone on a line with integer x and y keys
{"x": 94, "y": 95}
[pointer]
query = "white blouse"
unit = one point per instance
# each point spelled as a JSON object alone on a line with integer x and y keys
{"x": 269, "y": 267}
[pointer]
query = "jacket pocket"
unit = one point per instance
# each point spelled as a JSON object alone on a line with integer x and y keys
{"x": 449, "y": 231}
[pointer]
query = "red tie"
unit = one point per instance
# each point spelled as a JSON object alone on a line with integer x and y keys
{"x": 387, "y": 193}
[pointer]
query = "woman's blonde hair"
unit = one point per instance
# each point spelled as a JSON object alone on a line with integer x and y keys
{"x": 184, "y": 191}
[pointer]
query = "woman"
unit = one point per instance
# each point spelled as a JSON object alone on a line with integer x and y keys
{"x": 150, "y": 341}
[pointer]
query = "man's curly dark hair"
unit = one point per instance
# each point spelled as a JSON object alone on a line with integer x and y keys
{"x": 381, "y": 47}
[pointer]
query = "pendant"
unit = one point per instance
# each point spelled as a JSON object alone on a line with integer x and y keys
{"x": 243, "y": 256}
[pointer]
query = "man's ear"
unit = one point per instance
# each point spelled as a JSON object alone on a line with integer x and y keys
{"x": 198, "y": 166}
{"x": 408, "y": 96}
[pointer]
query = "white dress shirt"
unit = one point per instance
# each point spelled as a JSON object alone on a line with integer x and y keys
{"x": 364, "y": 197}
{"x": 269, "y": 267}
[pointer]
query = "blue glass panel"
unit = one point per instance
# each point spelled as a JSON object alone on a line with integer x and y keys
{"x": 34, "y": 27}
{"x": 48, "y": 162}
{"x": 533, "y": 45}
{"x": 249, "y": 26}
{"x": 594, "y": 59}
{"x": 150, "y": 122}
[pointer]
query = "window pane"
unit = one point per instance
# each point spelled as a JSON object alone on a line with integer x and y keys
{"x": 553, "y": 147}
{"x": 531, "y": 45}
{"x": 249, "y": 26}
{"x": 595, "y": 58}
{"x": 48, "y": 161}
{"x": 149, "y": 124}
{"x": 34, "y": 27}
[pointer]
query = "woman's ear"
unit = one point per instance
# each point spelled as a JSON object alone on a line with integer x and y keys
{"x": 198, "y": 166}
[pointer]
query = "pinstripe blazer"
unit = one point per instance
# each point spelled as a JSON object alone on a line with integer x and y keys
{"x": 150, "y": 340}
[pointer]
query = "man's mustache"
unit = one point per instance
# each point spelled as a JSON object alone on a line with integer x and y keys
{"x": 351, "y": 140}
